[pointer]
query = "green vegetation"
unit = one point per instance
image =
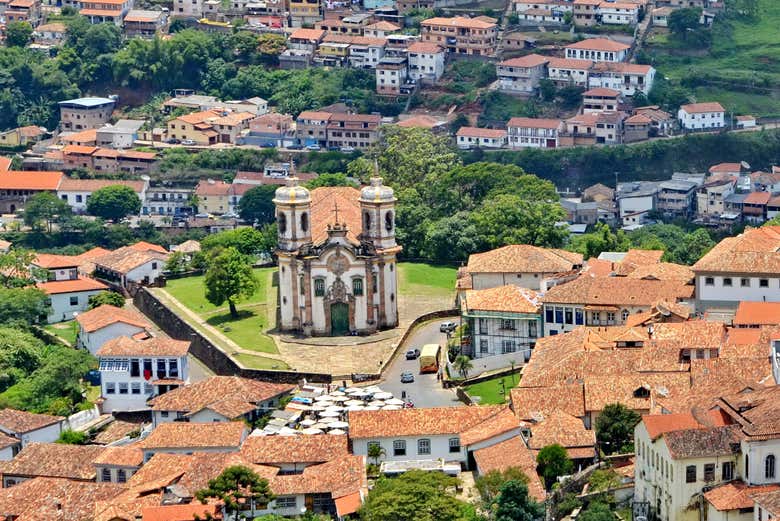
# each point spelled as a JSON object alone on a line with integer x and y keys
{"x": 260, "y": 362}
{"x": 237, "y": 487}
{"x": 113, "y": 203}
{"x": 553, "y": 462}
{"x": 67, "y": 331}
{"x": 489, "y": 391}
{"x": 229, "y": 278}
{"x": 425, "y": 279}
{"x": 615, "y": 428}
{"x": 69, "y": 437}
{"x": 489, "y": 485}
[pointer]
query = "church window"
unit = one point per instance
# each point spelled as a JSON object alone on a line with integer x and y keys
{"x": 389, "y": 221}
{"x": 357, "y": 286}
{"x": 319, "y": 287}
{"x": 375, "y": 283}
{"x": 367, "y": 221}
{"x": 392, "y": 297}
{"x": 302, "y": 286}
{"x": 769, "y": 466}
{"x": 282, "y": 218}
{"x": 304, "y": 222}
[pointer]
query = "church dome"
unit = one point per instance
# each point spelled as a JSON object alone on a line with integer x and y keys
{"x": 376, "y": 192}
{"x": 292, "y": 193}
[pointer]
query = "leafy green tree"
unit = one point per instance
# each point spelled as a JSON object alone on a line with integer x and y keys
{"x": 547, "y": 89}
{"x": 20, "y": 354}
{"x": 695, "y": 245}
{"x": 514, "y": 504}
{"x": 69, "y": 437}
{"x": 411, "y": 156}
{"x": 337, "y": 179}
{"x": 256, "y": 205}
{"x": 114, "y": 202}
{"x": 247, "y": 241}
{"x": 22, "y": 306}
{"x": 413, "y": 496}
{"x": 596, "y": 511}
{"x": 375, "y": 452}
{"x": 18, "y": 34}
{"x": 15, "y": 271}
{"x": 552, "y": 463}
{"x": 463, "y": 365}
{"x": 683, "y": 21}
{"x": 230, "y": 278}
{"x": 237, "y": 486}
{"x": 489, "y": 485}
{"x": 615, "y": 428}
{"x": 112, "y": 298}
{"x": 509, "y": 219}
{"x": 46, "y": 208}
{"x": 177, "y": 262}
{"x": 601, "y": 239}
{"x": 453, "y": 238}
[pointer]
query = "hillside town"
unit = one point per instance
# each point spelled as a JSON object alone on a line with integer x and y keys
{"x": 389, "y": 260}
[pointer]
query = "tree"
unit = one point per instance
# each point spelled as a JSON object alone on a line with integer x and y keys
{"x": 177, "y": 262}
{"x": 489, "y": 485}
{"x": 256, "y": 205}
{"x": 375, "y": 451}
{"x": 413, "y": 496}
{"x": 21, "y": 353}
{"x": 112, "y": 298}
{"x": 69, "y": 437}
{"x": 337, "y": 179}
{"x": 22, "y": 306}
{"x": 247, "y": 241}
{"x": 45, "y": 207}
{"x": 463, "y": 365}
{"x": 510, "y": 219}
{"x": 552, "y": 463}
{"x": 514, "y": 504}
{"x": 410, "y": 156}
{"x": 18, "y": 34}
{"x": 237, "y": 486}
{"x": 230, "y": 278}
{"x": 615, "y": 428}
{"x": 682, "y": 21}
{"x": 596, "y": 511}
{"x": 15, "y": 269}
{"x": 114, "y": 202}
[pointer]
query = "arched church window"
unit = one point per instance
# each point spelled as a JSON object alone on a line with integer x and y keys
{"x": 357, "y": 286}
{"x": 304, "y": 222}
{"x": 367, "y": 221}
{"x": 282, "y": 220}
{"x": 319, "y": 287}
{"x": 389, "y": 221}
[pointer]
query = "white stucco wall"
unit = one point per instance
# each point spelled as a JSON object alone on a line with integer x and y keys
{"x": 735, "y": 293}
{"x": 94, "y": 340}
{"x": 440, "y": 448}
{"x": 151, "y": 269}
{"x": 62, "y": 309}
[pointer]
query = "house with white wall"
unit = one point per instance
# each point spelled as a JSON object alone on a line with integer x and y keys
{"x": 569, "y": 71}
{"x": 474, "y": 137}
{"x": 218, "y": 399}
{"x": 186, "y": 438}
{"x": 702, "y": 116}
{"x": 448, "y": 434}
{"x": 117, "y": 464}
{"x": 522, "y": 75}
{"x": 619, "y": 13}
{"x": 534, "y": 132}
{"x": 627, "y": 78}
{"x": 426, "y": 61}
{"x": 28, "y": 427}
{"x": 76, "y": 192}
{"x": 103, "y": 323}
{"x": 597, "y": 50}
{"x": 67, "y": 298}
{"x": 132, "y": 371}
{"x": 51, "y": 460}
{"x": 126, "y": 266}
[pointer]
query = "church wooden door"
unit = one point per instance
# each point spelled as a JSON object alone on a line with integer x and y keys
{"x": 339, "y": 318}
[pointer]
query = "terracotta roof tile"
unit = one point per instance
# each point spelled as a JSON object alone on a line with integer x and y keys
{"x": 5, "y": 164}
{"x": 533, "y": 402}
{"x": 195, "y": 435}
{"x": 757, "y": 313}
{"x": 120, "y": 456}
{"x": 523, "y": 258}
{"x": 658, "y": 424}
{"x": 570, "y": 63}
{"x": 769, "y": 502}
{"x": 85, "y": 136}
{"x": 44, "y": 499}
{"x": 8, "y": 441}
{"x": 28, "y": 180}
{"x": 509, "y": 298}
{"x": 534, "y": 123}
{"x": 20, "y": 422}
{"x": 155, "y": 346}
{"x": 616, "y": 291}
{"x": 699, "y": 443}
{"x": 511, "y": 453}
{"x": 126, "y": 259}
{"x": 563, "y": 429}
{"x": 421, "y": 121}
{"x": 529, "y": 60}
{"x": 736, "y": 495}
{"x": 277, "y": 450}
{"x": 424, "y": 48}
{"x": 341, "y": 476}
{"x": 601, "y": 92}
{"x": 323, "y": 201}
{"x": 307, "y": 34}
{"x": 194, "y": 510}
{"x": 663, "y": 271}
{"x": 105, "y": 315}
{"x": 599, "y": 44}
{"x": 91, "y": 185}
{"x": 502, "y": 422}
{"x": 148, "y": 246}
{"x": 697, "y": 108}
{"x": 70, "y": 286}
{"x": 488, "y": 133}
{"x": 54, "y": 460}
{"x": 457, "y": 21}
{"x": 753, "y": 251}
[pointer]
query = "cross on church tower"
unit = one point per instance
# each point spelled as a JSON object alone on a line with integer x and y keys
{"x": 336, "y": 211}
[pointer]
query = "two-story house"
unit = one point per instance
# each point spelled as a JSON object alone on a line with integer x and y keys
{"x": 85, "y": 113}
{"x": 426, "y": 61}
{"x": 628, "y": 78}
{"x": 711, "y": 196}
{"x": 186, "y": 438}
{"x": 103, "y": 323}
{"x": 534, "y": 132}
{"x": 597, "y": 50}
{"x": 68, "y": 292}
{"x": 702, "y": 116}
{"x": 132, "y": 371}
{"x": 522, "y": 75}
{"x": 569, "y": 71}
{"x": 461, "y": 35}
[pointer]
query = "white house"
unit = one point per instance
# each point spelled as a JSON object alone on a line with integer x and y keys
{"x": 702, "y": 116}
{"x": 598, "y": 50}
{"x": 522, "y": 75}
{"x": 628, "y": 78}
{"x": 132, "y": 371}
{"x": 448, "y": 434}
{"x": 741, "y": 268}
{"x": 474, "y": 137}
{"x": 619, "y": 13}
{"x": 120, "y": 135}
{"x": 129, "y": 265}
{"x": 534, "y": 132}
{"x": 186, "y": 438}
{"x": 218, "y": 399}
{"x": 28, "y": 427}
{"x": 426, "y": 61}
{"x": 68, "y": 297}
{"x": 103, "y": 323}
{"x": 76, "y": 192}
{"x": 637, "y": 197}
{"x": 51, "y": 460}
{"x": 117, "y": 464}
{"x": 9, "y": 447}
{"x": 569, "y": 71}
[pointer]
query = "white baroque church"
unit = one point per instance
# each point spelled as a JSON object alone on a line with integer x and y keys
{"x": 337, "y": 259}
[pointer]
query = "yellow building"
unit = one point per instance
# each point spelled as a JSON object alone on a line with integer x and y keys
{"x": 213, "y": 197}
{"x": 304, "y": 12}
{"x": 209, "y": 126}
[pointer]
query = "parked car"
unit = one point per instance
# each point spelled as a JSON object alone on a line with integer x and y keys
{"x": 188, "y": 142}
{"x": 313, "y": 147}
{"x": 347, "y": 150}
{"x": 448, "y": 327}
{"x": 407, "y": 378}
{"x": 295, "y": 147}
{"x": 173, "y": 141}
{"x": 412, "y": 354}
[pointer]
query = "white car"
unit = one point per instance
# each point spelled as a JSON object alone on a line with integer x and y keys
{"x": 187, "y": 142}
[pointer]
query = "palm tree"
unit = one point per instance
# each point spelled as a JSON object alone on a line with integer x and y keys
{"x": 375, "y": 451}
{"x": 463, "y": 365}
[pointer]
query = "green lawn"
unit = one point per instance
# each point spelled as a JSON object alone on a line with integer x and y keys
{"x": 68, "y": 331}
{"x": 489, "y": 390}
{"x": 256, "y": 314}
{"x": 425, "y": 279}
{"x": 259, "y": 362}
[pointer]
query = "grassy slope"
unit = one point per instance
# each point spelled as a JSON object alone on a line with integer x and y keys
{"x": 68, "y": 331}
{"x": 748, "y": 51}
{"x": 425, "y": 279}
{"x": 488, "y": 390}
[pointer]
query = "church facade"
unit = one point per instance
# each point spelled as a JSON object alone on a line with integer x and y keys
{"x": 337, "y": 259}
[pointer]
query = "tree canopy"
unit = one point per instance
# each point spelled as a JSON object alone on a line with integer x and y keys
{"x": 552, "y": 463}
{"x": 256, "y": 205}
{"x": 45, "y": 208}
{"x": 114, "y": 202}
{"x": 18, "y": 34}
{"x": 615, "y": 428}
{"x": 229, "y": 278}
{"x": 236, "y": 486}
{"x": 514, "y": 504}
{"x": 106, "y": 297}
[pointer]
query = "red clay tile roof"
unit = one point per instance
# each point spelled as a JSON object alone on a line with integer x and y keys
{"x": 120, "y": 456}
{"x": 530, "y": 60}
{"x": 622, "y": 67}
{"x": 105, "y": 315}
{"x": 20, "y": 422}
{"x": 70, "y": 286}
{"x": 8, "y": 441}
{"x": 753, "y": 251}
{"x": 755, "y": 411}
{"x": 85, "y": 136}
{"x": 54, "y": 460}
{"x": 459, "y": 22}
{"x": 616, "y": 291}
{"x": 323, "y": 201}
{"x": 509, "y": 298}
{"x": 523, "y": 258}
{"x": 195, "y": 435}
{"x": 533, "y": 402}
{"x": 490, "y": 133}
{"x": 51, "y": 261}
{"x": 534, "y": 123}
{"x": 421, "y": 121}
{"x": 28, "y": 180}
{"x": 599, "y": 44}
{"x": 601, "y": 92}
{"x": 699, "y": 443}
{"x": 769, "y": 502}
{"x": 148, "y": 246}
{"x": 91, "y": 185}
{"x": 276, "y": 450}
{"x": 663, "y": 271}
{"x": 511, "y": 453}
{"x": 697, "y": 108}
{"x": 424, "y": 48}
{"x": 231, "y": 396}
{"x": 736, "y": 495}
{"x": 5, "y": 163}
{"x": 757, "y": 313}
{"x": 757, "y": 198}
{"x": 563, "y": 429}
{"x": 45, "y": 499}
{"x": 126, "y": 259}
{"x": 155, "y": 346}
{"x": 658, "y": 424}
{"x": 79, "y": 149}
{"x": 569, "y": 63}
{"x": 180, "y": 512}
{"x": 340, "y": 477}
{"x": 307, "y": 34}
{"x": 212, "y": 188}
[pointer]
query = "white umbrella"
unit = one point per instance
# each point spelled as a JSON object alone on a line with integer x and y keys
{"x": 354, "y": 402}
{"x": 324, "y": 398}
{"x": 340, "y": 399}
{"x": 373, "y": 389}
{"x": 376, "y": 403}
{"x": 352, "y": 390}
{"x": 308, "y": 423}
{"x": 334, "y": 408}
{"x": 320, "y": 406}
{"x": 338, "y": 425}
{"x": 337, "y": 393}
{"x": 321, "y": 426}
{"x": 357, "y": 408}
{"x": 328, "y": 419}
{"x": 371, "y": 408}
{"x": 383, "y": 396}
{"x": 391, "y": 408}
{"x": 312, "y": 430}
{"x": 329, "y": 414}
{"x": 336, "y": 431}
{"x": 394, "y": 401}
{"x": 286, "y": 431}
{"x": 360, "y": 393}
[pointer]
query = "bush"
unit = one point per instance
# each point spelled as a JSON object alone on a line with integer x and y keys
{"x": 69, "y": 437}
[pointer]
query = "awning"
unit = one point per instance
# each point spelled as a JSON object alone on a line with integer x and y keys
{"x": 348, "y": 504}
